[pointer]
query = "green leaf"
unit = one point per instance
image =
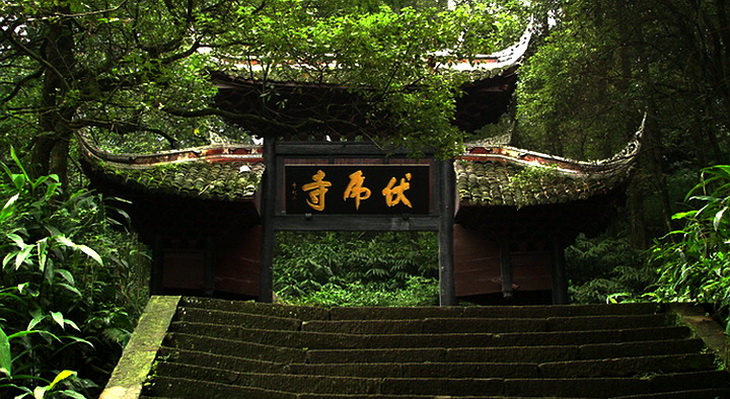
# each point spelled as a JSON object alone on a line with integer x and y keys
{"x": 72, "y": 324}
{"x": 6, "y": 359}
{"x": 18, "y": 240}
{"x": 18, "y": 180}
{"x": 17, "y": 160}
{"x": 8, "y": 208}
{"x": 683, "y": 215}
{"x": 65, "y": 241}
{"x": 66, "y": 275}
{"x": 718, "y": 218}
{"x": 60, "y": 377}
{"x": 37, "y": 318}
{"x": 22, "y": 256}
{"x": 71, "y": 288}
{"x": 58, "y": 318}
{"x": 39, "y": 392}
{"x": 9, "y": 257}
{"x": 72, "y": 394}
{"x": 92, "y": 254}
{"x": 42, "y": 250}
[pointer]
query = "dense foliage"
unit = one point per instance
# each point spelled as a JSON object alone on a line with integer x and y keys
{"x": 607, "y": 269}
{"x": 135, "y": 74}
{"x": 599, "y": 65}
{"x": 694, "y": 261}
{"x": 357, "y": 269}
{"x": 71, "y": 288}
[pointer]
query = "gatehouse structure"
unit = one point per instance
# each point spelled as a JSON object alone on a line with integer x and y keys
{"x": 503, "y": 215}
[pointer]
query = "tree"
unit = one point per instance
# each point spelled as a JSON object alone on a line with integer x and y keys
{"x": 113, "y": 68}
{"x": 601, "y": 64}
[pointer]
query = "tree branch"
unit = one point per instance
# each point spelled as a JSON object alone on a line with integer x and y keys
{"x": 19, "y": 86}
{"x": 123, "y": 128}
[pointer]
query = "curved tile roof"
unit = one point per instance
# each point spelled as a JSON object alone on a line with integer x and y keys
{"x": 227, "y": 173}
{"x": 508, "y": 176}
{"x": 485, "y": 176}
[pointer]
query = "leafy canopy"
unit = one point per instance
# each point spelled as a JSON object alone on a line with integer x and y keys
{"x": 135, "y": 73}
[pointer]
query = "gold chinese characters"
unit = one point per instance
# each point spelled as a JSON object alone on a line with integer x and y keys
{"x": 393, "y": 194}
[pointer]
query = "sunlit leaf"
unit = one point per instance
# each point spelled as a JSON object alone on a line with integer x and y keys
{"x": 21, "y": 257}
{"x": 39, "y": 392}
{"x": 6, "y": 359}
{"x": 718, "y": 218}
{"x": 7, "y": 209}
{"x": 58, "y": 318}
{"x": 92, "y": 254}
{"x": 60, "y": 377}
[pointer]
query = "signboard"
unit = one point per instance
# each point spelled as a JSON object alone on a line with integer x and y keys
{"x": 357, "y": 189}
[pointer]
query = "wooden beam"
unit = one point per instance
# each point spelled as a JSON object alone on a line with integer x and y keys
{"x": 310, "y": 222}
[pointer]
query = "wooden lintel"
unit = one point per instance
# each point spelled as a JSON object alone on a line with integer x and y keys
{"x": 359, "y": 223}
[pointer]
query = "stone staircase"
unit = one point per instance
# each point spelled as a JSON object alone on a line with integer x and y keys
{"x": 229, "y": 349}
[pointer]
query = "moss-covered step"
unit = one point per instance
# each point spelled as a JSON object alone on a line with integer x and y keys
{"x": 252, "y": 320}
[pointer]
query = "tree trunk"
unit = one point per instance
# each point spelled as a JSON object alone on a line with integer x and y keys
{"x": 50, "y": 148}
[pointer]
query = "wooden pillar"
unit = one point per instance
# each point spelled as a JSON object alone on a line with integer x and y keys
{"x": 446, "y": 203}
{"x": 209, "y": 265}
{"x": 505, "y": 268}
{"x": 560, "y": 279}
{"x": 268, "y": 235}
{"x": 158, "y": 264}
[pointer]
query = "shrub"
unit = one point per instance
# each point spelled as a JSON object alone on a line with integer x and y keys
{"x": 606, "y": 269}
{"x": 355, "y": 269}
{"x": 693, "y": 261}
{"x": 71, "y": 287}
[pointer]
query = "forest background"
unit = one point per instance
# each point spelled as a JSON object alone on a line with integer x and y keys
{"x": 133, "y": 76}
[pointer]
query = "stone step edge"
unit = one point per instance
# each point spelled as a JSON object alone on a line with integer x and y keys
{"x": 341, "y": 313}
{"x": 379, "y": 383}
{"x": 182, "y": 311}
{"x": 625, "y": 335}
{"x": 539, "y": 368}
{"x": 305, "y": 351}
{"x": 209, "y": 387}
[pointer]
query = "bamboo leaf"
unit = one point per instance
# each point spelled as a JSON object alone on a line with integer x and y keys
{"x": 718, "y": 218}
{"x": 8, "y": 208}
{"x": 72, "y": 394}
{"x": 6, "y": 359}
{"x": 18, "y": 240}
{"x": 42, "y": 249}
{"x": 71, "y": 288}
{"x": 37, "y": 318}
{"x": 17, "y": 160}
{"x": 92, "y": 254}
{"x": 60, "y": 377}
{"x": 65, "y": 241}
{"x": 72, "y": 324}
{"x": 58, "y": 318}
{"x": 23, "y": 255}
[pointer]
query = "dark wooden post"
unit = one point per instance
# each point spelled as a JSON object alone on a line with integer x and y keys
{"x": 158, "y": 264}
{"x": 209, "y": 265}
{"x": 446, "y": 203}
{"x": 560, "y": 280}
{"x": 268, "y": 239}
{"x": 506, "y": 269}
